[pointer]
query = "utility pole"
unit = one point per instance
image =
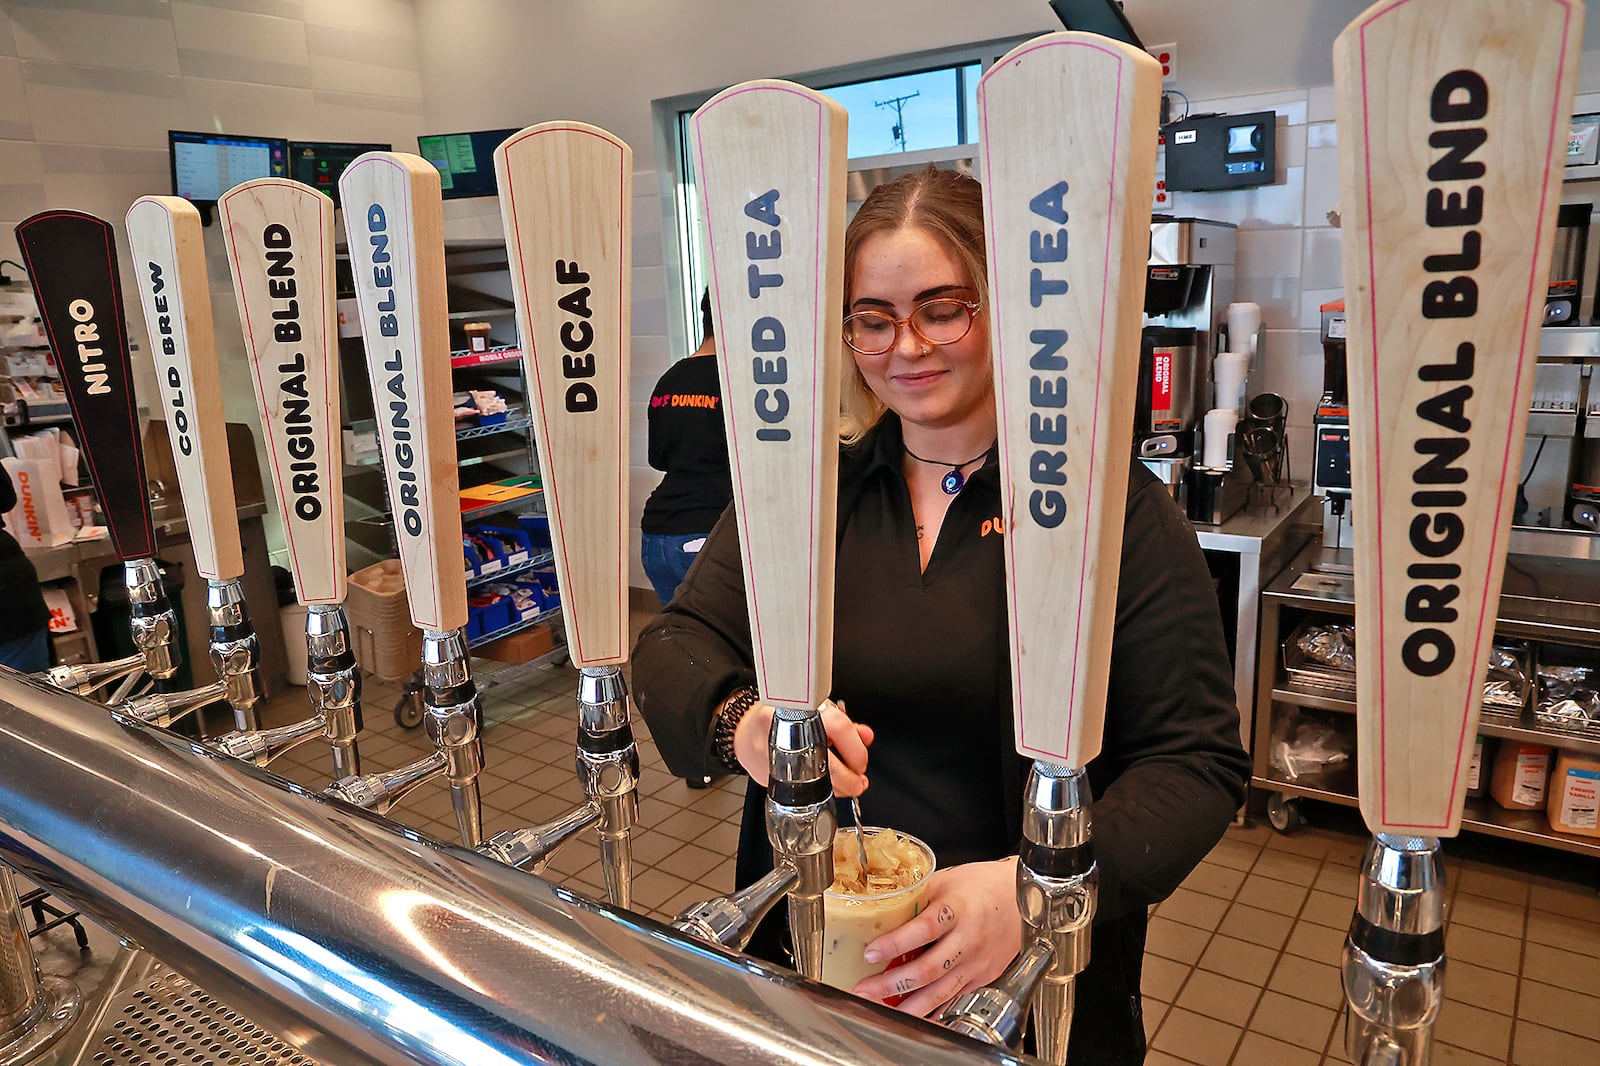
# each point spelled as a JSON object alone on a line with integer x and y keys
{"x": 899, "y": 105}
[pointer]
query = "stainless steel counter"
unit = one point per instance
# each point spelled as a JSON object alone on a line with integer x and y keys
{"x": 1264, "y": 539}
{"x": 357, "y": 941}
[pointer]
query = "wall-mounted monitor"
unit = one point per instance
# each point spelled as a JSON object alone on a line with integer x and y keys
{"x": 1104, "y": 17}
{"x": 206, "y": 165}
{"x": 319, "y": 163}
{"x": 465, "y": 160}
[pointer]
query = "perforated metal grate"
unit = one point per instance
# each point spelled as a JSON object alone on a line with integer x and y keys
{"x": 168, "y": 1021}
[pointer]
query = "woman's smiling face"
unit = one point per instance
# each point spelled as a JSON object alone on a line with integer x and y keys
{"x": 932, "y": 386}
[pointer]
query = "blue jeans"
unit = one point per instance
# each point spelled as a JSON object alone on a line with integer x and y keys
{"x": 667, "y": 558}
{"x": 29, "y": 653}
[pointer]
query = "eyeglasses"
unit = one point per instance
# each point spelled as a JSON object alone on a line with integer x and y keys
{"x": 936, "y": 322}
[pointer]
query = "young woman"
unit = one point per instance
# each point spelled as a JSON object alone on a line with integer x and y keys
{"x": 921, "y": 676}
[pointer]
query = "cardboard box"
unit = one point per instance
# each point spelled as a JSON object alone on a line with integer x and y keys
{"x": 386, "y": 643}
{"x": 519, "y": 647}
{"x": 1575, "y": 795}
{"x": 1521, "y": 772}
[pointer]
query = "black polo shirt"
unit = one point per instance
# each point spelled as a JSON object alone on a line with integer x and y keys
{"x": 922, "y": 657}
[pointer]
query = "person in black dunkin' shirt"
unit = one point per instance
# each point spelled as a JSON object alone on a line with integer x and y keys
{"x": 687, "y": 443}
{"x": 920, "y": 646}
{"x": 25, "y": 624}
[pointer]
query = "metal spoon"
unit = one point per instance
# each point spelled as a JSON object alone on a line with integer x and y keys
{"x": 861, "y": 843}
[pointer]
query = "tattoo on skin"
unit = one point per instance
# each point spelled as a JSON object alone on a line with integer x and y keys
{"x": 902, "y": 986}
{"x": 946, "y": 915}
{"x": 919, "y": 532}
{"x": 952, "y": 961}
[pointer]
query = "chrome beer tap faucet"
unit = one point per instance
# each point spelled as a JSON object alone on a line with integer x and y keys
{"x": 235, "y": 649}
{"x": 451, "y": 719}
{"x": 334, "y": 683}
{"x": 152, "y": 624}
{"x": 800, "y": 825}
{"x": 1057, "y": 891}
{"x": 608, "y": 767}
{"x": 1393, "y": 960}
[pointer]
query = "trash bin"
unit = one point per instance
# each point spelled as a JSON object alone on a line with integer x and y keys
{"x": 293, "y": 620}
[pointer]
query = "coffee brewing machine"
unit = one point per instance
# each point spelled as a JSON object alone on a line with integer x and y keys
{"x": 1330, "y": 477}
{"x": 1187, "y": 293}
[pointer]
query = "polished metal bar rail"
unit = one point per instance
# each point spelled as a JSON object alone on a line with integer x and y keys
{"x": 364, "y": 942}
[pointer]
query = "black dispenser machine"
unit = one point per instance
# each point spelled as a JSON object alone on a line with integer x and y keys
{"x": 1185, "y": 313}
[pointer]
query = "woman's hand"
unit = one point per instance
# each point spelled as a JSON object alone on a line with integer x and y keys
{"x": 972, "y": 931}
{"x": 847, "y": 743}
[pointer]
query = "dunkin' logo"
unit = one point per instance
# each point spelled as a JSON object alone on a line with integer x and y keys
{"x": 30, "y": 514}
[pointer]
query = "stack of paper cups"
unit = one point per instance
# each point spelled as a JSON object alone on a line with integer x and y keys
{"x": 1229, "y": 371}
{"x": 1244, "y": 322}
{"x": 1219, "y": 425}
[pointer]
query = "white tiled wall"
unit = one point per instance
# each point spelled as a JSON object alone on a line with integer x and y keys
{"x": 89, "y": 88}
{"x": 1288, "y": 255}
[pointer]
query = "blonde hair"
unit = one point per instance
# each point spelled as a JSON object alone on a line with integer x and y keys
{"x": 943, "y": 203}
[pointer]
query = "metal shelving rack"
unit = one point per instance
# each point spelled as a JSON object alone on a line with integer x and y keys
{"x": 1528, "y": 610}
{"x": 500, "y": 366}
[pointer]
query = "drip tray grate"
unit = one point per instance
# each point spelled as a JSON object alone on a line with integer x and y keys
{"x": 167, "y": 1020}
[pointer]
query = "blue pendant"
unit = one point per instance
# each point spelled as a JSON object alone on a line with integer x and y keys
{"x": 952, "y": 482}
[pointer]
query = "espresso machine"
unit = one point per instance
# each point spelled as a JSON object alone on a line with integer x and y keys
{"x": 1187, "y": 291}
{"x": 1330, "y": 477}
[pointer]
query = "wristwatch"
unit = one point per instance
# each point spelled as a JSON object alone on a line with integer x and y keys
{"x": 727, "y": 720}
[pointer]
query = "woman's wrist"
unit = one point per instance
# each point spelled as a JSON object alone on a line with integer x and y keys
{"x": 725, "y": 723}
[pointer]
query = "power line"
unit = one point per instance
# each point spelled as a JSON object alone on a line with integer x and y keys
{"x": 898, "y": 133}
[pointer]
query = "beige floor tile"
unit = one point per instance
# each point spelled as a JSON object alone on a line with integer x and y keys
{"x": 1205, "y": 1041}
{"x": 1479, "y": 880}
{"x": 1193, "y": 908}
{"x": 722, "y": 838}
{"x": 1314, "y": 982}
{"x": 1473, "y": 1028}
{"x": 1175, "y": 941}
{"x": 687, "y": 825}
{"x": 1338, "y": 881}
{"x": 1559, "y": 1008}
{"x": 1222, "y": 998}
{"x": 653, "y": 888}
{"x": 1325, "y": 908}
{"x": 1154, "y": 1011}
{"x": 1478, "y": 986}
{"x": 1575, "y": 900}
{"x": 1310, "y": 843}
{"x": 1238, "y": 959}
{"x": 690, "y": 862}
{"x": 1234, "y": 854}
{"x": 1480, "y": 912}
{"x": 1564, "y": 931}
{"x": 1259, "y": 1050}
{"x": 1320, "y": 943}
{"x": 1162, "y": 978}
{"x": 1214, "y": 880}
{"x": 1257, "y": 833}
{"x": 1537, "y": 1046}
{"x": 1503, "y": 953}
{"x": 1294, "y": 1021}
{"x": 1257, "y": 926}
{"x": 1281, "y": 866}
{"x": 1280, "y": 897}
{"x": 1450, "y": 1055}
{"x": 1161, "y": 1058}
{"x": 1552, "y": 966}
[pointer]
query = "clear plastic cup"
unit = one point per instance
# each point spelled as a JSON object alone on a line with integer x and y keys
{"x": 852, "y": 921}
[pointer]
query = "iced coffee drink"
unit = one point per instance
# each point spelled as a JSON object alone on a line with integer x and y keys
{"x": 862, "y": 905}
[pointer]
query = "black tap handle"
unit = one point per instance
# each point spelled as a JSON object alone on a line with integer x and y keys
{"x": 71, "y": 259}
